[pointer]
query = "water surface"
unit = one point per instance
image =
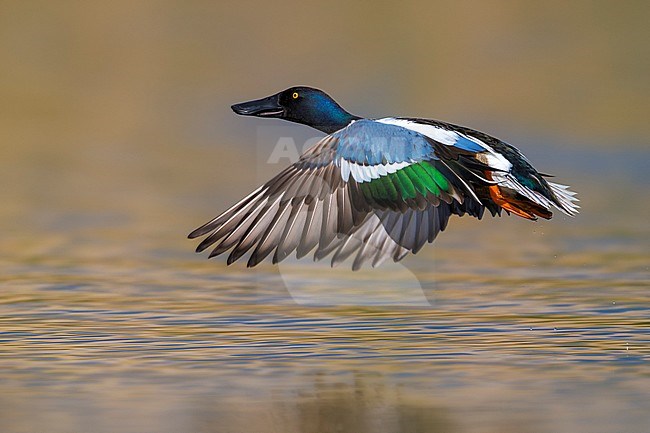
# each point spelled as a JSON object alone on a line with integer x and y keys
{"x": 116, "y": 140}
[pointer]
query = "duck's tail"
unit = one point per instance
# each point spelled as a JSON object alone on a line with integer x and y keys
{"x": 511, "y": 195}
{"x": 565, "y": 199}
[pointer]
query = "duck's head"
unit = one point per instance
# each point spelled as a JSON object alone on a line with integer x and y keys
{"x": 304, "y": 105}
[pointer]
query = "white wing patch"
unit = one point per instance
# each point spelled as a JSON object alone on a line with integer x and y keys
{"x": 366, "y": 173}
{"x": 445, "y": 136}
{"x": 441, "y": 135}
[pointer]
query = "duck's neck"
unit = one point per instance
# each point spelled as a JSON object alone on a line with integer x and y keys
{"x": 335, "y": 120}
{"x": 326, "y": 116}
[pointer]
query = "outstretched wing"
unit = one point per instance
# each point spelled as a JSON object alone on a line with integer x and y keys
{"x": 375, "y": 190}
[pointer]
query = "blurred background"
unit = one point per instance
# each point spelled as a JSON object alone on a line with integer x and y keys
{"x": 116, "y": 140}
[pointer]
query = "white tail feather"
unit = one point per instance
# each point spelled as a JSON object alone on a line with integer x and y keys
{"x": 566, "y": 198}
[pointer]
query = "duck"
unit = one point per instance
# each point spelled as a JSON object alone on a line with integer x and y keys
{"x": 374, "y": 189}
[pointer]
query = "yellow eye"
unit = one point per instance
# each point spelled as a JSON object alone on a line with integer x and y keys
{"x": 295, "y": 95}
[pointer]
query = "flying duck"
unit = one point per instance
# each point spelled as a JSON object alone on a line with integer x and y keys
{"x": 375, "y": 188}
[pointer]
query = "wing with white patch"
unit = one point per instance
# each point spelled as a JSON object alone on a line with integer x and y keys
{"x": 335, "y": 201}
{"x": 399, "y": 168}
